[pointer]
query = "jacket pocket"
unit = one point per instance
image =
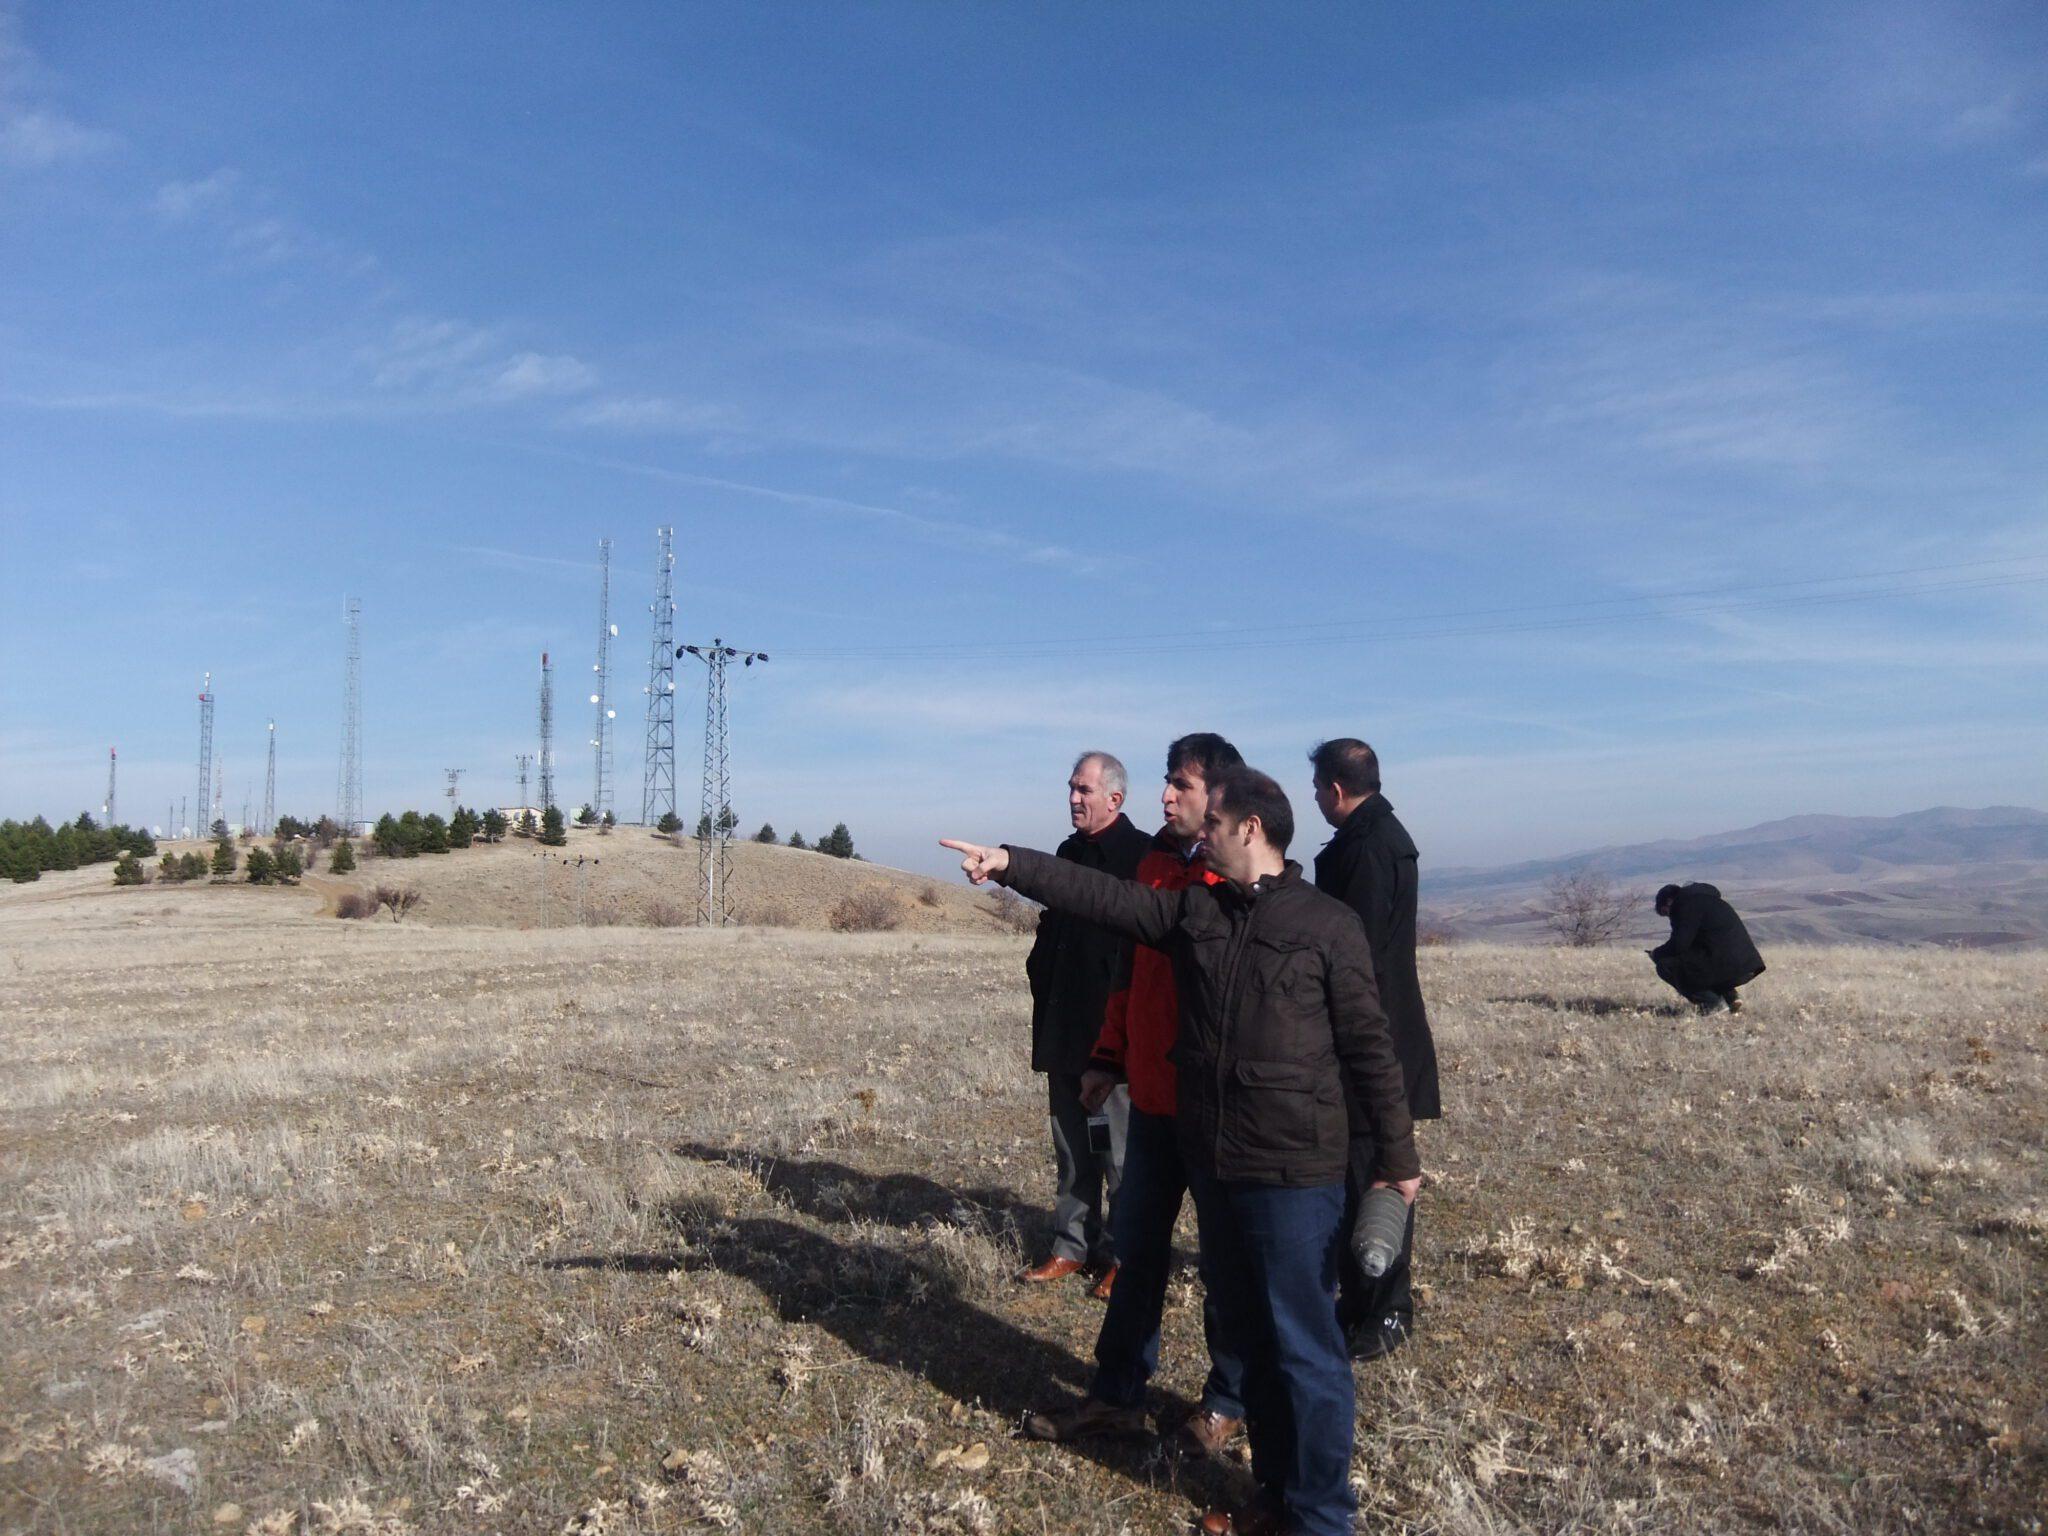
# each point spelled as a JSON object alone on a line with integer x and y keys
{"x": 1275, "y": 1106}
{"x": 1279, "y": 967}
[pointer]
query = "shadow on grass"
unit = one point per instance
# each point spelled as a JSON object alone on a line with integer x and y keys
{"x": 1599, "y": 1007}
{"x": 895, "y": 1309}
{"x": 829, "y": 1191}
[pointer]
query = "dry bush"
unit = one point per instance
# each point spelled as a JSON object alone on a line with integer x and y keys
{"x": 871, "y": 909}
{"x": 1013, "y": 911}
{"x": 663, "y": 913}
{"x": 1584, "y": 908}
{"x": 398, "y": 899}
{"x": 1434, "y": 936}
{"x": 929, "y": 896}
{"x": 769, "y": 914}
{"x": 355, "y": 904}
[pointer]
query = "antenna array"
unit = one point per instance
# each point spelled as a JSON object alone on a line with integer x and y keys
{"x": 270, "y": 785}
{"x": 206, "y": 746}
{"x": 658, "y": 784}
{"x": 547, "y": 734}
{"x": 601, "y": 739}
{"x": 349, "y": 788}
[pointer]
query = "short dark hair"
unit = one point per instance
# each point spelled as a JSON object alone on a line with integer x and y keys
{"x": 1348, "y": 763}
{"x": 1240, "y": 792}
{"x": 1204, "y": 751}
{"x": 1665, "y": 896}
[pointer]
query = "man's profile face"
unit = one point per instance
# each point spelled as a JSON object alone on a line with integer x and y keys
{"x": 1227, "y": 845}
{"x": 1185, "y": 800}
{"x": 1090, "y": 805}
{"x": 1663, "y": 906}
{"x": 1326, "y": 800}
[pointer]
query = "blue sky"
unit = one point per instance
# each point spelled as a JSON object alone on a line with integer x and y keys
{"x": 1630, "y": 418}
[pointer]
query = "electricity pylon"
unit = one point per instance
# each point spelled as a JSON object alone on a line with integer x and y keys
{"x": 715, "y": 824}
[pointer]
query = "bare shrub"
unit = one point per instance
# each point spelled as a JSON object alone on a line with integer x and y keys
{"x": 663, "y": 913}
{"x": 1434, "y": 936}
{"x": 770, "y": 914}
{"x": 398, "y": 899}
{"x": 929, "y": 896}
{"x": 1583, "y": 908}
{"x": 871, "y": 909}
{"x": 1013, "y": 911}
{"x": 355, "y": 904}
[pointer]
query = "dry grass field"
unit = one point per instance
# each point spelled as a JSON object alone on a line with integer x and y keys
{"x": 321, "y": 1227}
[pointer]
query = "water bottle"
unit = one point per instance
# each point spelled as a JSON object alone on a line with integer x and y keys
{"x": 1377, "y": 1234}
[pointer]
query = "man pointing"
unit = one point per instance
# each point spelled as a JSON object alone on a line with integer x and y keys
{"x": 1279, "y": 1020}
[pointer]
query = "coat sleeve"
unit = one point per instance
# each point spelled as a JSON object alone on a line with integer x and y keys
{"x": 1136, "y": 911}
{"x": 1365, "y": 1054}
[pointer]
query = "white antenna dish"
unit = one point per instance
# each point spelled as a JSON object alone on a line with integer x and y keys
{"x": 615, "y": 630}
{"x": 593, "y": 698}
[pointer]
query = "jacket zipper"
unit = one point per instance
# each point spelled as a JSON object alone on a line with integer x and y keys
{"x": 1227, "y": 1016}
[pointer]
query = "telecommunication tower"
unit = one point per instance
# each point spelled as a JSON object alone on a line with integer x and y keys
{"x": 349, "y": 787}
{"x": 658, "y": 784}
{"x": 206, "y": 746}
{"x": 184, "y": 821}
{"x": 270, "y": 785}
{"x": 715, "y": 823}
{"x": 523, "y": 759}
{"x": 454, "y": 774}
{"x": 170, "y": 821}
{"x": 107, "y": 811}
{"x": 601, "y": 739}
{"x": 547, "y": 734}
{"x": 220, "y": 779}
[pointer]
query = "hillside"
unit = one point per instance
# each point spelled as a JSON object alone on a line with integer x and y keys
{"x": 627, "y": 878}
{"x": 1972, "y": 878}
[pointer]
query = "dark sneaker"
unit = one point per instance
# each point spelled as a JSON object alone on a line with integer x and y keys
{"x": 1734, "y": 1003}
{"x": 1090, "y": 1416}
{"x": 1376, "y": 1343}
{"x": 1713, "y": 1003}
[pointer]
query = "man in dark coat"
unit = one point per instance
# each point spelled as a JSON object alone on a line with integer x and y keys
{"x": 1709, "y": 953}
{"x": 1072, "y": 969}
{"x": 1281, "y": 1044}
{"x": 1370, "y": 866}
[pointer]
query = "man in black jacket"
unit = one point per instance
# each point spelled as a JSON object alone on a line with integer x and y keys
{"x": 1370, "y": 866}
{"x": 1280, "y": 1034}
{"x": 1072, "y": 968}
{"x": 1709, "y": 953}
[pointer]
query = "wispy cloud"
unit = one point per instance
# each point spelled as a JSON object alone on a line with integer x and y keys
{"x": 530, "y": 374}
{"x": 34, "y": 133}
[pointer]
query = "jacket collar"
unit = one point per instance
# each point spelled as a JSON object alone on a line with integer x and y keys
{"x": 1364, "y": 817}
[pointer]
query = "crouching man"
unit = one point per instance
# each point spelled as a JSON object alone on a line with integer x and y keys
{"x": 1709, "y": 953}
{"x": 1279, "y": 1019}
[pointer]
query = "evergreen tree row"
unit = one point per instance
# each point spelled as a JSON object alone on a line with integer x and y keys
{"x": 27, "y": 848}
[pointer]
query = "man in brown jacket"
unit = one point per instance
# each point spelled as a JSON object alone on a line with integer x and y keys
{"x": 1279, "y": 1020}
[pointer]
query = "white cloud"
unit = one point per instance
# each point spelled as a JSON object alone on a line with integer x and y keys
{"x": 654, "y": 414}
{"x": 35, "y": 139}
{"x": 530, "y": 374}
{"x": 177, "y": 200}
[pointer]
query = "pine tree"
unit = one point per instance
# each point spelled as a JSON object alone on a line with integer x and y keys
{"x": 224, "y": 859}
{"x": 262, "y": 867}
{"x": 433, "y": 836}
{"x": 796, "y": 840}
{"x": 343, "y": 860}
{"x": 462, "y": 829}
{"x": 766, "y": 834}
{"x": 551, "y": 832}
{"x": 288, "y": 867}
{"x": 838, "y": 842}
{"x": 670, "y": 824}
{"x": 193, "y": 866}
{"x": 494, "y": 825}
{"x": 128, "y": 870}
{"x": 703, "y": 827}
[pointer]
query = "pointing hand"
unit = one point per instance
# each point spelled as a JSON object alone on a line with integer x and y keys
{"x": 976, "y": 862}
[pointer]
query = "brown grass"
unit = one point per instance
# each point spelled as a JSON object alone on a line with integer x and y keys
{"x": 374, "y": 1227}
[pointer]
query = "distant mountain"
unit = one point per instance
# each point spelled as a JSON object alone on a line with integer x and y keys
{"x": 1941, "y": 876}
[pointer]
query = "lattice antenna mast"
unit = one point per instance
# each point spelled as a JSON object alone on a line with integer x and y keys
{"x": 716, "y": 821}
{"x": 220, "y": 790}
{"x": 107, "y": 811}
{"x": 206, "y": 745}
{"x": 547, "y": 734}
{"x": 658, "y": 784}
{"x": 349, "y": 788}
{"x": 270, "y": 785}
{"x": 524, "y": 759}
{"x": 601, "y": 737}
{"x": 454, "y": 777}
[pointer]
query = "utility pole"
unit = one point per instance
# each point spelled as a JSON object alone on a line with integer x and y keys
{"x": 715, "y": 824}
{"x": 453, "y": 775}
{"x": 601, "y": 738}
{"x": 206, "y": 745}
{"x": 107, "y": 811}
{"x": 349, "y": 785}
{"x": 547, "y": 734}
{"x": 658, "y": 783}
{"x": 270, "y": 785}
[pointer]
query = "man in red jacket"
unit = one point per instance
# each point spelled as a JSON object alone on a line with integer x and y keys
{"x": 1139, "y": 1029}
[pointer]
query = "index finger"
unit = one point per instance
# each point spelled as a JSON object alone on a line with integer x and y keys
{"x": 959, "y": 847}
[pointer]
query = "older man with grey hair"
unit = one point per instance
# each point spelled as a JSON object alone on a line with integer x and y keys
{"x": 1072, "y": 968}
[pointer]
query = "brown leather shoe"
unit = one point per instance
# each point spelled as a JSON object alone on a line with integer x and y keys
{"x": 1101, "y": 1288}
{"x": 1205, "y": 1434}
{"x": 1261, "y": 1517}
{"x": 1054, "y": 1268}
{"x": 1090, "y": 1416}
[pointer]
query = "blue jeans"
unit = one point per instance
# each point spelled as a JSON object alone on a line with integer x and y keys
{"x": 1147, "y": 1205}
{"x": 1271, "y": 1255}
